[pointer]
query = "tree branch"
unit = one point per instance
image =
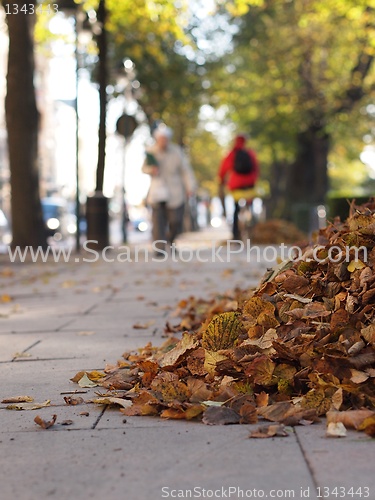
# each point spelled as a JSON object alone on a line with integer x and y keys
{"x": 356, "y": 91}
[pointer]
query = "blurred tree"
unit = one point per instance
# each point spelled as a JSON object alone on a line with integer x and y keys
{"x": 298, "y": 72}
{"x": 157, "y": 38}
{"x": 22, "y": 128}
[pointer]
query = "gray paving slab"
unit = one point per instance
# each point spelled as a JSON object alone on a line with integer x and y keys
{"x": 82, "y": 416}
{"x": 132, "y": 464}
{"x": 32, "y": 323}
{"x": 92, "y": 347}
{"x": 43, "y": 379}
{"x": 13, "y": 345}
{"x": 343, "y": 463}
{"x": 121, "y": 321}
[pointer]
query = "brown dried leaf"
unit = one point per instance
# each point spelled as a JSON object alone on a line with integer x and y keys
{"x": 312, "y": 310}
{"x": 144, "y": 404}
{"x": 368, "y": 333}
{"x": 143, "y": 326}
{"x": 261, "y": 371}
{"x": 198, "y": 390}
{"x": 44, "y": 424}
{"x": 195, "y": 362}
{"x": 73, "y": 401}
{"x": 18, "y": 399}
{"x": 269, "y": 431}
{"x": 262, "y": 399}
{"x": 185, "y": 345}
{"x": 255, "y": 306}
{"x": 352, "y": 419}
{"x": 248, "y": 414}
{"x": 220, "y": 415}
{"x": 211, "y": 360}
{"x": 170, "y": 387}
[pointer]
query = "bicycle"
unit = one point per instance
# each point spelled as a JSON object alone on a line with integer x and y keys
{"x": 247, "y": 218}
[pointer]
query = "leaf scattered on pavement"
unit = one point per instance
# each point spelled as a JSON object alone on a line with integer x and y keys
{"x": 28, "y": 406}
{"x": 270, "y": 431}
{"x": 336, "y": 430}
{"x": 44, "y": 424}
{"x": 18, "y": 399}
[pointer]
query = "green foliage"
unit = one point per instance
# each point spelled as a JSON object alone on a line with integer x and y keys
{"x": 299, "y": 64}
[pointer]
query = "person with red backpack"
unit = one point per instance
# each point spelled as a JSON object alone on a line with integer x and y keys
{"x": 239, "y": 172}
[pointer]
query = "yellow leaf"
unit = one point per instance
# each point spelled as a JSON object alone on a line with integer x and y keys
{"x": 222, "y": 332}
{"x": 211, "y": 359}
{"x": 18, "y": 399}
{"x": 28, "y": 406}
{"x": 85, "y": 382}
{"x": 95, "y": 375}
{"x": 336, "y": 429}
{"x": 5, "y": 298}
{"x": 355, "y": 264}
{"x": 125, "y": 403}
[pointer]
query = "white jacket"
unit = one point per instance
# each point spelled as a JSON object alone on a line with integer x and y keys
{"x": 175, "y": 180}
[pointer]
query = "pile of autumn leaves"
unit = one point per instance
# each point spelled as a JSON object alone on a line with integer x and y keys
{"x": 301, "y": 346}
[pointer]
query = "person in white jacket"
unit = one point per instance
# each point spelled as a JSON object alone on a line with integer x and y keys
{"x": 172, "y": 182}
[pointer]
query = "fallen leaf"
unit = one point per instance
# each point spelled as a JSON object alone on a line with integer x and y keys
{"x": 85, "y": 382}
{"x": 71, "y": 401}
{"x": 185, "y": 345}
{"x": 215, "y": 415}
{"x": 5, "y": 298}
{"x": 124, "y": 403}
{"x": 368, "y": 425}
{"x": 262, "y": 399}
{"x": 20, "y": 355}
{"x": 28, "y": 406}
{"x": 143, "y": 326}
{"x": 248, "y": 414}
{"x": 44, "y": 424}
{"x": 144, "y": 404}
{"x": 212, "y": 358}
{"x": 213, "y": 403}
{"x": 354, "y": 265}
{"x": 336, "y": 430}
{"x": 85, "y": 333}
{"x": 222, "y": 332}
{"x": 67, "y": 422}
{"x": 269, "y": 431}
{"x": 18, "y": 399}
{"x": 352, "y": 419}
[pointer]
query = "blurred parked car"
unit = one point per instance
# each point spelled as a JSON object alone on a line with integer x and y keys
{"x": 4, "y": 229}
{"x": 59, "y": 222}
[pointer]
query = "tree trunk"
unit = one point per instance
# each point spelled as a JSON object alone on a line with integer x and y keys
{"x": 22, "y": 125}
{"x": 103, "y": 77}
{"x": 308, "y": 176}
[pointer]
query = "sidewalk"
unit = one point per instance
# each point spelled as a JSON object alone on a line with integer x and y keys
{"x": 64, "y": 318}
